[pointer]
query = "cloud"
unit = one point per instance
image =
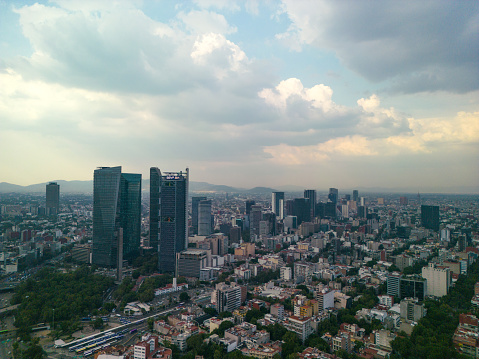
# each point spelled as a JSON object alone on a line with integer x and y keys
{"x": 429, "y": 136}
{"x": 425, "y": 46}
{"x": 201, "y": 22}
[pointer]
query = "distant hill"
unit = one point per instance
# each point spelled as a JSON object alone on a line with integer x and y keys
{"x": 87, "y": 187}
{"x": 259, "y": 190}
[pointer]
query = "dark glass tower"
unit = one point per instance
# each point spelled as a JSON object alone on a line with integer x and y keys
{"x": 311, "y": 195}
{"x": 106, "y": 215}
{"x": 171, "y": 190}
{"x": 116, "y": 204}
{"x": 155, "y": 176}
{"x": 430, "y": 217}
{"x": 195, "y": 201}
{"x": 302, "y": 210}
{"x": 333, "y": 195}
{"x": 276, "y": 204}
{"x": 52, "y": 204}
{"x": 130, "y": 213}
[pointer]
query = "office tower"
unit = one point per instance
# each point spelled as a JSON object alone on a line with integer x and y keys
{"x": 413, "y": 287}
{"x": 302, "y": 210}
{"x": 355, "y": 195}
{"x": 430, "y": 217}
{"x": 235, "y": 235}
{"x": 130, "y": 213}
{"x": 330, "y": 209}
{"x": 393, "y": 284}
{"x": 256, "y": 215}
{"x": 362, "y": 201}
{"x": 403, "y": 201}
{"x": 171, "y": 190}
{"x": 228, "y": 297}
{"x": 311, "y": 195}
{"x": 116, "y": 205}
{"x": 333, "y": 195}
{"x": 249, "y": 204}
{"x": 362, "y": 212}
{"x": 288, "y": 207}
{"x": 155, "y": 176}
{"x": 277, "y": 201}
{"x": 190, "y": 262}
{"x": 195, "y": 201}
{"x": 52, "y": 199}
{"x": 204, "y": 218}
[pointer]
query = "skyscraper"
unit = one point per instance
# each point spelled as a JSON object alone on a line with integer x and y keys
{"x": 130, "y": 213}
{"x": 355, "y": 195}
{"x": 52, "y": 204}
{"x": 333, "y": 195}
{"x": 277, "y": 201}
{"x": 311, "y": 195}
{"x": 170, "y": 214}
{"x": 430, "y": 217}
{"x": 194, "y": 213}
{"x": 116, "y": 205}
{"x": 302, "y": 210}
{"x": 204, "y": 218}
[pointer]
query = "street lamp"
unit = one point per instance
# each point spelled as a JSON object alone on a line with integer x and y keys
{"x": 53, "y": 323}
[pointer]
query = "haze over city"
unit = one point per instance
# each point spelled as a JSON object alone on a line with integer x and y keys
{"x": 244, "y": 93}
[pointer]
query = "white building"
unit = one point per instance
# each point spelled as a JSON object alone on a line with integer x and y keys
{"x": 286, "y": 273}
{"x": 438, "y": 279}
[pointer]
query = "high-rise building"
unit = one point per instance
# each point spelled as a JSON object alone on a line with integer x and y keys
{"x": 256, "y": 215}
{"x": 355, "y": 195}
{"x": 403, "y": 201}
{"x": 204, "y": 218}
{"x": 249, "y": 203}
{"x": 116, "y": 210}
{"x": 302, "y": 210}
{"x": 130, "y": 213}
{"x": 430, "y": 217}
{"x": 333, "y": 195}
{"x": 171, "y": 216}
{"x": 311, "y": 195}
{"x": 277, "y": 201}
{"x": 52, "y": 199}
{"x": 195, "y": 201}
{"x": 438, "y": 279}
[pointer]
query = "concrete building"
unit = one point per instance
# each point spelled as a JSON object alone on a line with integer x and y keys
{"x": 411, "y": 310}
{"x": 438, "y": 279}
{"x": 286, "y": 273}
{"x": 228, "y": 297}
{"x": 301, "y": 326}
{"x": 191, "y": 262}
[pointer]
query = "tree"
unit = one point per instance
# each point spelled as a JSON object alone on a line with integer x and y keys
{"x": 98, "y": 323}
{"x": 184, "y": 297}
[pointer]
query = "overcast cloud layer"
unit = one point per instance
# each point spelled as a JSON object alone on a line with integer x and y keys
{"x": 311, "y": 93}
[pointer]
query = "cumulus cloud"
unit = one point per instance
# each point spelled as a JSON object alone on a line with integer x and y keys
{"x": 201, "y": 22}
{"x": 425, "y": 46}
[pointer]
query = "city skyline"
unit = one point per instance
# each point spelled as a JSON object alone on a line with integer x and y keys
{"x": 313, "y": 94}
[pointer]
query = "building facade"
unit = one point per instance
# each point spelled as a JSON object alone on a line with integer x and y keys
{"x": 171, "y": 191}
{"x": 52, "y": 204}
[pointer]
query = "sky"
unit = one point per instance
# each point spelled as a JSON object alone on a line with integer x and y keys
{"x": 346, "y": 94}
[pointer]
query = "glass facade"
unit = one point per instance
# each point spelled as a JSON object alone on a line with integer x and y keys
{"x": 116, "y": 204}
{"x": 52, "y": 198}
{"x": 130, "y": 213}
{"x": 172, "y": 216}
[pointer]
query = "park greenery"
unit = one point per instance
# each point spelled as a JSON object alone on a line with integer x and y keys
{"x": 432, "y": 337}
{"x": 63, "y": 297}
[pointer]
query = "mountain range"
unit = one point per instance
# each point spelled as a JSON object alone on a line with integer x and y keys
{"x": 87, "y": 187}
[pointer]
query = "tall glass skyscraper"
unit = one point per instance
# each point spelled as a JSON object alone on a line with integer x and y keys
{"x": 52, "y": 204}
{"x": 277, "y": 201}
{"x": 311, "y": 195}
{"x": 195, "y": 201}
{"x": 169, "y": 214}
{"x": 116, "y": 204}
